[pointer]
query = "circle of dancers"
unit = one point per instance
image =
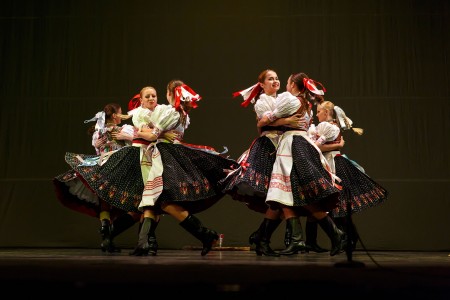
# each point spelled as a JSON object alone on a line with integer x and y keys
{"x": 294, "y": 168}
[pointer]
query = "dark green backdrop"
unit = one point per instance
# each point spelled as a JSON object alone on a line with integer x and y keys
{"x": 386, "y": 63}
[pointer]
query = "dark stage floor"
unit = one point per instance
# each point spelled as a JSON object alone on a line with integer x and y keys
{"x": 177, "y": 274}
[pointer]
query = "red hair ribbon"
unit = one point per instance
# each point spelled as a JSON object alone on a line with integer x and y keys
{"x": 312, "y": 86}
{"x": 248, "y": 94}
{"x": 135, "y": 102}
{"x": 185, "y": 93}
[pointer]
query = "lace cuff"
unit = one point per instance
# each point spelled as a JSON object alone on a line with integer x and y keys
{"x": 271, "y": 116}
{"x": 156, "y": 131}
{"x": 321, "y": 140}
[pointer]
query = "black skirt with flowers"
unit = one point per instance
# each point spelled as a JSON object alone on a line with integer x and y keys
{"x": 251, "y": 182}
{"x": 311, "y": 183}
{"x": 118, "y": 181}
{"x": 190, "y": 177}
{"x": 359, "y": 191}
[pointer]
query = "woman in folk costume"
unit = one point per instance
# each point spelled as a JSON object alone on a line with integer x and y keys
{"x": 107, "y": 135}
{"x": 359, "y": 191}
{"x": 184, "y": 178}
{"x": 140, "y": 108}
{"x": 250, "y": 182}
{"x": 301, "y": 181}
{"x": 106, "y": 183}
{"x": 313, "y": 92}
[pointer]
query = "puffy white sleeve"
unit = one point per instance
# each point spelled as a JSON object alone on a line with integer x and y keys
{"x": 312, "y": 132}
{"x": 264, "y": 105}
{"x": 286, "y": 105}
{"x": 164, "y": 117}
{"x": 128, "y": 129}
{"x": 327, "y": 132}
{"x": 141, "y": 116}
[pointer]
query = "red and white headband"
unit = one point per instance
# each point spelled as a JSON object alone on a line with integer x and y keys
{"x": 249, "y": 94}
{"x": 313, "y": 86}
{"x": 186, "y": 94}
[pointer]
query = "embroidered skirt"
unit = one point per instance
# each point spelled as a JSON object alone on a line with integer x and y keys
{"x": 118, "y": 181}
{"x": 359, "y": 191}
{"x": 301, "y": 176}
{"x": 191, "y": 177}
{"x": 250, "y": 183}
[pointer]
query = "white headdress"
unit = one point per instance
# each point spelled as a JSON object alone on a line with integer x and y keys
{"x": 100, "y": 118}
{"x": 345, "y": 122}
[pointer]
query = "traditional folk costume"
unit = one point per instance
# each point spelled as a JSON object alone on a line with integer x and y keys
{"x": 148, "y": 174}
{"x": 359, "y": 191}
{"x": 250, "y": 182}
{"x": 301, "y": 175}
{"x": 176, "y": 172}
{"x": 70, "y": 189}
{"x": 73, "y": 193}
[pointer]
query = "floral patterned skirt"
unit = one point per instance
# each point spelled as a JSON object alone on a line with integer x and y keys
{"x": 190, "y": 177}
{"x": 250, "y": 183}
{"x": 359, "y": 191}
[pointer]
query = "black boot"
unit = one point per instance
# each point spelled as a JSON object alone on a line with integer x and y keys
{"x": 288, "y": 234}
{"x": 207, "y": 236}
{"x": 105, "y": 233}
{"x": 346, "y": 225}
{"x": 296, "y": 243}
{"x": 119, "y": 225}
{"x": 337, "y": 237}
{"x": 152, "y": 242}
{"x": 311, "y": 238}
{"x": 255, "y": 237}
{"x": 266, "y": 230}
{"x": 143, "y": 246}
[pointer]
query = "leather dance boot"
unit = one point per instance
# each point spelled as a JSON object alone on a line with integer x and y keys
{"x": 346, "y": 225}
{"x": 288, "y": 234}
{"x": 255, "y": 237}
{"x": 105, "y": 233}
{"x": 143, "y": 246}
{"x": 296, "y": 244}
{"x": 266, "y": 230}
{"x": 337, "y": 237}
{"x": 152, "y": 242}
{"x": 207, "y": 236}
{"x": 311, "y": 238}
{"x": 119, "y": 225}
